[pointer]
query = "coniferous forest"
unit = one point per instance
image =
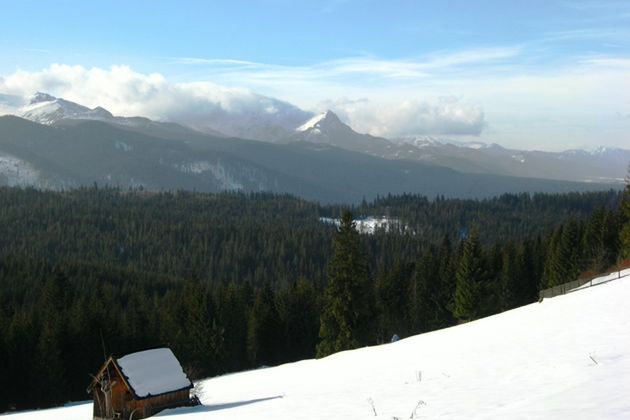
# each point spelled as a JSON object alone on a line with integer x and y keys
{"x": 235, "y": 281}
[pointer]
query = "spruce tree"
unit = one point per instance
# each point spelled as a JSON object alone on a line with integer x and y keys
{"x": 233, "y": 315}
{"x": 345, "y": 322}
{"x": 392, "y": 290}
{"x": 203, "y": 338}
{"x": 469, "y": 278}
{"x": 625, "y": 231}
{"x": 264, "y": 329}
{"x": 510, "y": 279}
{"x": 527, "y": 288}
{"x": 299, "y": 312}
{"x": 550, "y": 276}
{"x": 563, "y": 257}
{"x": 51, "y": 385}
{"x": 425, "y": 305}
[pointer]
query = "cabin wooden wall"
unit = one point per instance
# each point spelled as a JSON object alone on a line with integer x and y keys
{"x": 125, "y": 405}
{"x": 119, "y": 394}
{"x": 150, "y": 406}
{"x": 123, "y": 401}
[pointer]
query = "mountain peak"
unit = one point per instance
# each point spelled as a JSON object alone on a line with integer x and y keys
{"x": 101, "y": 112}
{"x": 324, "y": 119}
{"x": 329, "y": 115}
{"x": 39, "y": 97}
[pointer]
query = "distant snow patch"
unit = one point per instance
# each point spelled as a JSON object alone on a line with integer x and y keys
{"x": 225, "y": 179}
{"x": 121, "y": 145}
{"x": 312, "y": 123}
{"x": 195, "y": 167}
{"x": 370, "y": 224}
{"x": 17, "y": 172}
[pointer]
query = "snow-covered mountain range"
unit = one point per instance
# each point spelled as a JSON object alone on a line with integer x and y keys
{"x": 600, "y": 165}
{"x": 564, "y": 358}
{"x": 284, "y": 123}
{"x": 158, "y": 156}
{"x": 46, "y": 109}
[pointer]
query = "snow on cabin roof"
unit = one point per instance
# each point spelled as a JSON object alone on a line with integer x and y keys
{"x": 153, "y": 372}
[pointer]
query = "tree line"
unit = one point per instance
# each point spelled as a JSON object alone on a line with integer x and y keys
{"x": 233, "y": 281}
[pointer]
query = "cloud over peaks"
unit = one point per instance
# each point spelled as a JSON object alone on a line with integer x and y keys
{"x": 446, "y": 116}
{"x": 125, "y": 92}
{"x": 234, "y": 111}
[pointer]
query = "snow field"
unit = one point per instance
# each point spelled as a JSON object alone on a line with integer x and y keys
{"x": 565, "y": 358}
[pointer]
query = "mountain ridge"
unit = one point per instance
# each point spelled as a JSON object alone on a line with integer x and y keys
{"x": 603, "y": 164}
{"x": 83, "y": 152}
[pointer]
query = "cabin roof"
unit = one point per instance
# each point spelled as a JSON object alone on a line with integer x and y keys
{"x": 153, "y": 372}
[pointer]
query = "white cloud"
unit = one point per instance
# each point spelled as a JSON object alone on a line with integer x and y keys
{"x": 128, "y": 93}
{"x": 446, "y": 116}
{"x": 487, "y": 94}
{"x": 238, "y": 111}
{"x": 119, "y": 89}
{"x": 348, "y": 68}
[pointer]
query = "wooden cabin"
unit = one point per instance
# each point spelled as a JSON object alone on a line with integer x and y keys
{"x": 139, "y": 385}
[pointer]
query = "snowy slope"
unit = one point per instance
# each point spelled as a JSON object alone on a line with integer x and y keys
{"x": 565, "y": 358}
{"x": 46, "y": 109}
{"x": 325, "y": 118}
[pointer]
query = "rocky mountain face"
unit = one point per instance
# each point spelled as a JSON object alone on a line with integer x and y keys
{"x": 327, "y": 128}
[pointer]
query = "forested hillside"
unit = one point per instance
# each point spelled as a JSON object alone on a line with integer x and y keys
{"x": 233, "y": 281}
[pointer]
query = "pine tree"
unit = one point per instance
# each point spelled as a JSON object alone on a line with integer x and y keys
{"x": 392, "y": 290}
{"x": 425, "y": 307}
{"x": 299, "y": 311}
{"x": 203, "y": 337}
{"x": 593, "y": 242}
{"x": 567, "y": 264}
{"x": 625, "y": 231}
{"x": 527, "y": 287}
{"x": 346, "y": 317}
{"x": 233, "y": 316}
{"x": 550, "y": 275}
{"x": 509, "y": 280}
{"x": 470, "y": 276}
{"x": 51, "y": 385}
{"x": 264, "y": 330}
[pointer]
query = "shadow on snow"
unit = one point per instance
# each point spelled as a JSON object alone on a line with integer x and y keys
{"x": 215, "y": 407}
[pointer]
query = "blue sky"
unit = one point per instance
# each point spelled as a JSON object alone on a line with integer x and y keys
{"x": 525, "y": 71}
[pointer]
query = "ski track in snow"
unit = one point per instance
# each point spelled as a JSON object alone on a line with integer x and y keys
{"x": 534, "y": 362}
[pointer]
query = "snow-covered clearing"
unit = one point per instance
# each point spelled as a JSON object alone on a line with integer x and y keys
{"x": 370, "y": 224}
{"x": 565, "y": 358}
{"x": 17, "y": 172}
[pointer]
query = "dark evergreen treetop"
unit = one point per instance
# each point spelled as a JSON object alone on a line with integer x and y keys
{"x": 345, "y": 319}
